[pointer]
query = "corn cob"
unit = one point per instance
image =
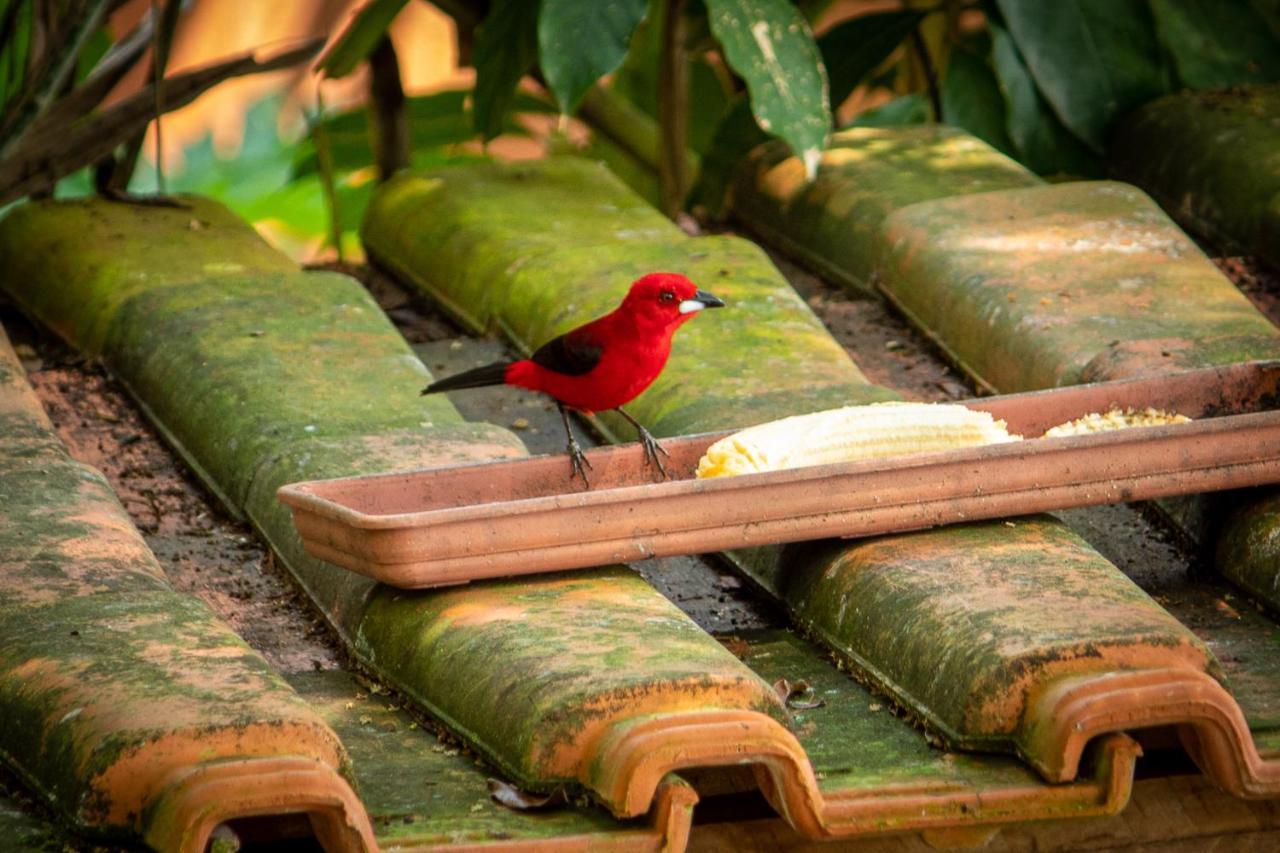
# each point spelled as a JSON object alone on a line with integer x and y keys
{"x": 1115, "y": 419}
{"x": 854, "y": 432}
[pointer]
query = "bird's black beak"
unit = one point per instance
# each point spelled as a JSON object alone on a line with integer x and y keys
{"x": 701, "y": 299}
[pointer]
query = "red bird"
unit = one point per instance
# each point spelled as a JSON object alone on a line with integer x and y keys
{"x": 605, "y": 363}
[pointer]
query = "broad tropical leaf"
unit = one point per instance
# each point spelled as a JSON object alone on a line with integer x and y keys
{"x": 1092, "y": 59}
{"x": 769, "y": 44}
{"x": 736, "y": 135}
{"x": 1216, "y": 45}
{"x": 506, "y": 47}
{"x": 580, "y": 41}
{"x": 1043, "y": 145}
{"x": 971, "y": 99}
{"x": 360, "y": 37}
{"x": 853, "y": 49}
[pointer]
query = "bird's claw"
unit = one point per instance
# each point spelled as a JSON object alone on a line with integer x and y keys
{"x": 652, "y": 449}
{"x": 579, "y": 464}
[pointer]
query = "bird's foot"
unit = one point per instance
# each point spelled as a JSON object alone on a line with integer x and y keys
{"x": 579, "y": 464}
{"x": 653, "y": 452}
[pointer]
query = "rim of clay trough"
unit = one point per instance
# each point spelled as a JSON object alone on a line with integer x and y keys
{"x": 450, "y": 525}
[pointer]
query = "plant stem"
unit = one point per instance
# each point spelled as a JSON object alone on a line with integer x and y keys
{"x": 673, "y": 109}
{"x": 114, "y": 175}
{"x": 324, "y": 165}
{"x": 930, "y": 73}
{"x": 386, "y": 111}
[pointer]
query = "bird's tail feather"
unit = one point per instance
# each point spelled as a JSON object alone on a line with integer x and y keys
{"x": 490, "y": 374}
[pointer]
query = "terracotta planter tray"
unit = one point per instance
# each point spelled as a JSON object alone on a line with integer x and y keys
{"x": 451, "y": 525}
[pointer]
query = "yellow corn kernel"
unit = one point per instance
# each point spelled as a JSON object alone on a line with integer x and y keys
{"x": 1115, "y": 419}
{"x": 851, "y": 433}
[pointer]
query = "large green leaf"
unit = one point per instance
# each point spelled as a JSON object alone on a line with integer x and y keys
{"x": 637, "y": 80}
{"x": 1042, "y": 143}
{"x": 971, "y": 99}
{"x": 506, "y": 47}
{"x": 1217, "y": 44}
{"x": 737, "y": 134}
{"x": 1270, "y": 12}
{"x": 1092, "y": 59}
{"x": 580, "y": 41}
{"x": 360, "y": 37}
{"x": 769, "y": 44}
{"x": 853, "y": 49}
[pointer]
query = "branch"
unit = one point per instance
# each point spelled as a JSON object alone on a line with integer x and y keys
{"x": 673, "y": 110}
{"x": 51, "y": 74}
{"x": 58, "y": 151}
{"x": 930, "y": 73}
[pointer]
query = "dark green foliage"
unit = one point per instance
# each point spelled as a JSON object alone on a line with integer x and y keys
{"x": 506, "y": 49}
{"x": 360, "y": 37}
{"x": 854, "y": 49}
{"x": 580, "y": 43}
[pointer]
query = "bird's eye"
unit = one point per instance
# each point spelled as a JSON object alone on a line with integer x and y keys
{"x": 666, "y": 296}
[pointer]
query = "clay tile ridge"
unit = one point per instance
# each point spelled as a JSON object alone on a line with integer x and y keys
{"x": 1213, "y": 729}
{"x": 626, "y": 764}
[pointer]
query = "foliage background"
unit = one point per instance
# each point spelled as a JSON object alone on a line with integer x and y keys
{"x": 656, "y": 87}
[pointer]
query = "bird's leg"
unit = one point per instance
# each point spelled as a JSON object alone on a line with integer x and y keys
{"x": 651, "y": 446}
{"x": 578, "y": 461}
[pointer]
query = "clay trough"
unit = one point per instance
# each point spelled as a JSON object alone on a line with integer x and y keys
{"x": 451, "y": 525}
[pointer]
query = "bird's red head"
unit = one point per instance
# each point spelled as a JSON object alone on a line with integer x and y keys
{"x": 667, "y": 298}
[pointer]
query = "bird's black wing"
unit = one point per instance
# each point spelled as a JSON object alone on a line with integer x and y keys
{"x": 572, "y": 354}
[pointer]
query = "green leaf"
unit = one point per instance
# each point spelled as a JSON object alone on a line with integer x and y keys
{"x": 1216, "y": 45}
{"x": 1042, "y": 143}
{"x": 769, "y": 44}
{"x": 93, "y": 50}
{"x": 971, "y": 99}
{"x": 580, "y": 41}
{"x": 17, "y": 49}
{"x": 1270, "y": 12}
{"x": 360, "y": 37}
{"x": 737, "y": 134}
{"x": 506, "y": 46}
{"x": 854, "y": 49}
{"x": 1093, "y": 60}
{"x": 637, "y": 80}
{"x": 900, "y": 112}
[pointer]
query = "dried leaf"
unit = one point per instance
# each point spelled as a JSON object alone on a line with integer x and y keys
{"x": 798, "y": 696}
{"x": 512, "y": 797}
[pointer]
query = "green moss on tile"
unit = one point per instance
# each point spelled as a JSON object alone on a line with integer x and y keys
{"x": 566, "y": 657}
{"x": 420, "y": 790}
{"x": 342, "y": 596}
{"x": 72, "y": 263}
{"x": 832, "y": 223}
{"x": 854, "y": 739}
{"x": 97, "y": 679}
{"x": 1024, "y": 288}
{"x": 243, "y": 369}
{"x": 424, "y": 227}
{"x": 962, "y": 623}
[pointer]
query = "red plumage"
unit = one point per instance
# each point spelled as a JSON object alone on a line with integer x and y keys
{"x": 607, "y": 362}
